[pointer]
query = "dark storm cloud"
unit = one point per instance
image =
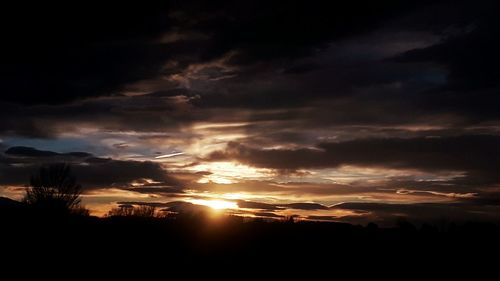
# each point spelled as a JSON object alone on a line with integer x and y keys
{"x": 17, "y": 164}
{"x": 121, "y": 172}
{"x": 375, "y": 88}
{"x": 487, "y": 198}
{"x": 58, "y": 53}
{"x": 139, "y": 113}
{"x": 54, "y": 53}
{"x": 263, "y": 30}
{"x": 478, "y": 155}
{"x": 282, "y": 44}
{"x": 342, "y": 74}
{"x": 469, "y": 52}
{"x": 23, "y": 151}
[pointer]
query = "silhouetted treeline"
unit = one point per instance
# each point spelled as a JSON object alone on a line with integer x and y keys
{"x": 191, "y": 239}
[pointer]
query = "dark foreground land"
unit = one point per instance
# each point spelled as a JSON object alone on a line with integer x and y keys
{"x": 230, "y": 242}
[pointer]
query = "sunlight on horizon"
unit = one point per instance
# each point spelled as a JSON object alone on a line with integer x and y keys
{"x": 215, "y": 204}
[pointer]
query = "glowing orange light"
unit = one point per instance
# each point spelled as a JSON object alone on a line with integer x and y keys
{"x": 215, "y": 204}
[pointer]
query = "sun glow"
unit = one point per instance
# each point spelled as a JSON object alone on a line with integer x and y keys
{"x": 215, "y": 204}
{"x": 229, "y": 172}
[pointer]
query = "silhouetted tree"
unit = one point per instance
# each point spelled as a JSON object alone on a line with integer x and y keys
{"x": 54, "y": 188}
{"x": 290, "y": 219}
{"x": 131, "y": 211}
{"x": 121, "y": 211}
{"x": 145, "y": 211}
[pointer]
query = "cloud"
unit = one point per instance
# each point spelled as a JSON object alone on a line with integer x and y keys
{"x": 424, "y": 169}
{"x": 173, "y": 206}
{"x": 118, "y": 113}
{"x": 268, "y": 215}
{"x": 151, "y": 204}
{"x": 265, "y": 206}
{"x": 281, "y": 31}
{"x": 18, "y": 163}
{"x": 345, "y": 59}
{"x": 471, "y": 153}
{"x": 55, "y": 57}
{"x": 123, "y": 45}
{"x": 445, "y": 194}
{"x": 304, "y": 206}
{"x": 256, "y": 205}
{"x": 421, "y": 212}
{"x": 23, "y": 151}
{"x": 469, "y": 53}
{"x": 245, "y": 204}
{"x": 157, "y": 190}
{"x": 323, "y": 218}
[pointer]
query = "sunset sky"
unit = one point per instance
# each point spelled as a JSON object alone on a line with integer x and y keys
{"x": 351, "y": 111}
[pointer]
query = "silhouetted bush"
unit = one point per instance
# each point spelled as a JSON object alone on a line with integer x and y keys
{"x": 54, "y": 189}
{"x": 131, "y": 211}
{"x": 121, "y": 211}
{"x": 145, "y": 211}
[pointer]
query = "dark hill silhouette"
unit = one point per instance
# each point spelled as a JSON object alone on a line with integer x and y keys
{"x": 194, "y": 239}
{"x": 7, "y": 203}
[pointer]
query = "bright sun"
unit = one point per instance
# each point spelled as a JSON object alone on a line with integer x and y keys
{"x": 215, "y": 204}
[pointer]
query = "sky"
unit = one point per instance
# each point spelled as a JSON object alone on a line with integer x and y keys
{"x": 351, "y": 111}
